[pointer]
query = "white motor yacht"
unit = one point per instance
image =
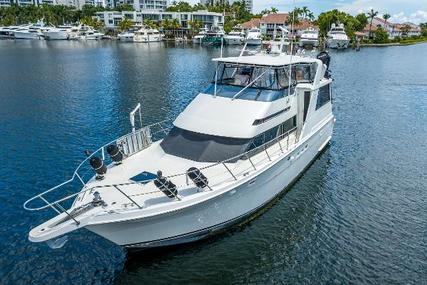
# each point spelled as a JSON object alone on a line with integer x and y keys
{"x": 235, "y": 38}
{"x": 127, "y": 36}
{"x": 235, "y": 147}
{"x": 59, "y": 33}
{"x": 90, "y": 34}
{"x": 8, "y": 32}
{"x": 337, "y": 37}
{"x": 254, "y": 37}
{"x": 32, "y": 32}
{"x": 146, "y": 35}
{"x": 309, "y": 37}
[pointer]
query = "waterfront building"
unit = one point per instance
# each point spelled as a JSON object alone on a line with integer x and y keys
{"x": 111, "y": 19}
{"x": 270, "y": 23}
{"x": 394, "y": 30}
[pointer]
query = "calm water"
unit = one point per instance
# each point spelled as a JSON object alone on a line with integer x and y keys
{"x": 358, "y": 215}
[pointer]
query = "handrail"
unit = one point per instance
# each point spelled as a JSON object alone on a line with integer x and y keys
{"x": 239, "y": 156}
{"x": 75, "y": 173}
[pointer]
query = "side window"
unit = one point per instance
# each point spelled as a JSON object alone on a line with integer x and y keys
{"x": 324, "y": 96}
{"x": 287, "y": 125}
{"x": 263, "y": 138}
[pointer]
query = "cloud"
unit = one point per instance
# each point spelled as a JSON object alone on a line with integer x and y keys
{"x": 416, "y": 17}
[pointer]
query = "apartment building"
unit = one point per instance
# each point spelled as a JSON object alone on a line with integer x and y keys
{"x": 112, "y": 19}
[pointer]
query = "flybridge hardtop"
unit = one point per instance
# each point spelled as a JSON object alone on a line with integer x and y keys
{"x": 232, "y": 150}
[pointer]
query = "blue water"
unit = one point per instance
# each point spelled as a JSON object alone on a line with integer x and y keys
{"x": 358, "y": 215}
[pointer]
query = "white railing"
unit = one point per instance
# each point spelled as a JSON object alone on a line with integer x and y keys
{"x": 281, "y": 142}
{"x": 129, "y": 145}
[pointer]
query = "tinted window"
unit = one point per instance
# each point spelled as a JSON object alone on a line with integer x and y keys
{"x": 202, "y": 147}
{"x": 323, "y": 97}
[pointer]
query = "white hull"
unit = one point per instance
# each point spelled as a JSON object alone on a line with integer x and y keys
{"x": 253, "y": 42}
{"x": 309, "y": 42}
{"x": 139, "y": 39}
{"x": 338, "y": 43}
{"x": 197, "y": 40}
{"x": 128, "y": 38}
{"x": 239, "y": 202}
{"x": 233, "y": 41}
{"x": 27, "y": 36}
{"x": 59, "y": 35}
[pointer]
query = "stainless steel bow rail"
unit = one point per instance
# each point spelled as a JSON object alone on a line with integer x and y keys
{"x": 129, "y": 144}
{"x": 282, "y": 142}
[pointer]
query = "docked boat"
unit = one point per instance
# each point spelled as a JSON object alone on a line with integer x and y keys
{"x": 254, "y": 37}
{"x": 214, "y": 36}
{"x": 309, "y": 37}
{"x": 127, "y": 36}
{"x": 31, "y": 32}
{"x": 146, "y": 35}
{"x": 337, "y": 37}
{"x": 198, "y": 39}
{"x": 8, "y": 32}
{"x": 90, "y": 34}
{"x": 234, "y": 38}
{"x": 233, "y": 149}
{"x": 59, "y": 33}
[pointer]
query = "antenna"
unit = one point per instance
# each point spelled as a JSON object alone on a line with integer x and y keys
{"x": 292, "y": 48}
{"x": 282, "y": 41}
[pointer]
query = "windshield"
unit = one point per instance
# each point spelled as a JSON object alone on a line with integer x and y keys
{"x": 202, "y": 147}
{"x": 265, "y": 83}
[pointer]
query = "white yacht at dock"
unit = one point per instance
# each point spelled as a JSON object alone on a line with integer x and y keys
{"x": 309, "y": 37}
{"x": 126, "y": 36}
{"x": 234, "y": 38}
{"x": 254, "y": 37}
{"x": 236, "y": 146}
{"x": 147, "y": 35}
{"x": 90, "y": 34}
{"x": 58, "y": 33}
{"x": 31, "y": 32}
{"x": 337, "y": 37}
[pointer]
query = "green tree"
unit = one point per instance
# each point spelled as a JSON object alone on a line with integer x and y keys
{"x": 151, "y": 24}
{"x": 125, "y": 25}
{"x": 380, "y": 36}
{"x": 386, "y": 17}
{"x": 371, "y": 15}
{"x": 195, "y": 26}
{"x": 124, "y": 7}
{"x": 92, "y": 22}
{"x": 274, "y": 10}
{"x": 180, "y": 7}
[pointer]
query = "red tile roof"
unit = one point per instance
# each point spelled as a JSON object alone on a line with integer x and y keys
{"x": 253, "y": 23}
{"x": 277, "y": 18}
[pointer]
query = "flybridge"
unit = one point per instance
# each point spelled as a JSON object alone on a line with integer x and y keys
{"x": 279, "y": 60}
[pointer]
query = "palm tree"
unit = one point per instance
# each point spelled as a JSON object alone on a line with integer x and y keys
{"x": 371, "y": 15}
{"x": 274, "y": 10}
{"x": 386, "y": 17}
{"x": 125, "y": 25}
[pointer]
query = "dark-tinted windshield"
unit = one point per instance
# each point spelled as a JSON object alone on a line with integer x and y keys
{"x": 202, "y": 147}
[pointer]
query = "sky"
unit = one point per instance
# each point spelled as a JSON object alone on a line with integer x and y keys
{"x": 401, "y": 10}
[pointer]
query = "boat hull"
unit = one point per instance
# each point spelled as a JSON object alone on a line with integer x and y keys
{"x": 253, "y": 42}
{"x": 205, "y": 219}
{"x": 144, "y": 39}
{"x": 338, "y": 43}
{"x": 27, "y": 36}
{"x": 233, "y": 41}
{"x": 309, "y": 42}
{"x": 60, "y": 35}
